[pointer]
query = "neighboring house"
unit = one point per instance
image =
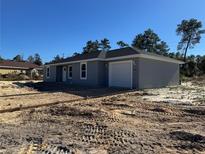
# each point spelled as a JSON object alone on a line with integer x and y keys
{"x": 126, "y": 68}
{"x": 8, "y": 67}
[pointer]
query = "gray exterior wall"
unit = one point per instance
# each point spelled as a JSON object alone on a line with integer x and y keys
{"x": 135, "y": 74}
{"x": 96, "y": 74}
{"x": 155, "y": 74}
{"x": 91, "y": 75}
{"x": 147, "y": 73}
{"x": 59, "y": 72}
{"x": 52, "y": 77}
{"x": 102, "y": 68}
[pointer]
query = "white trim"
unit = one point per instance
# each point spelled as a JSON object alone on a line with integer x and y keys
{"x": 123, "y": 61}
{"x": 47, "y": 72}
{"x": 109, "y": 74}
{"x": 82, "y": 78}
{"x": 77, "y": 61}
{"x": 166, "y": 59}
{"x": 64, "y": 74}
{"x": 70, "y": 66}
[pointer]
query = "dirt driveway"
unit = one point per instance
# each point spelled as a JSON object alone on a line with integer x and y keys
{"x": 43, "y": 118}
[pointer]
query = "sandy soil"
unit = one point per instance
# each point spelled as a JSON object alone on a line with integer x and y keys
{"x": 188, "y": 93}
{"x": 37, "y": 118}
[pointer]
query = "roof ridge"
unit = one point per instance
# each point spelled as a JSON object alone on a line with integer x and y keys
{"x": 118, "y": 49}
{"x": 10, "y": 63}
{"x": 120, "y": 52}
{"x": 140, "y": 51}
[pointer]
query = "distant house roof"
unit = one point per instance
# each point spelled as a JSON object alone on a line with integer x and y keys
{"x": 17, "y": 65}
{"x": 112, "y": 54}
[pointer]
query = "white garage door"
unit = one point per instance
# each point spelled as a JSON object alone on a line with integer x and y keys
{"x": 120, "y": 74}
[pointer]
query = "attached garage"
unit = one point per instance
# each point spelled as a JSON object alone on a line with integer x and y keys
{"x": 120, "y": 74}
{"x": 128, "y": 68}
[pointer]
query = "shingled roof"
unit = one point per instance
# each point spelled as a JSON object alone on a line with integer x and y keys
{"x": 121, "y": 52}
{"x": 127, "y": 51}
{"x": 17, "y": 65}
{"x": 132, "y": 51}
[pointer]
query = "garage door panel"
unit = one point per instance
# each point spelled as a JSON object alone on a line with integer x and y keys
{"x": 120, "y": 74}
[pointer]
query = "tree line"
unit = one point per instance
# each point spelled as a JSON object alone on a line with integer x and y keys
{"x": 35, "y": 59}
{"x": 190, "y": 32}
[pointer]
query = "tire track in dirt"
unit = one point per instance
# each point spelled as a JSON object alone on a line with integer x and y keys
{"x": 155, "y": 108}
{"x": 20, "y": 108}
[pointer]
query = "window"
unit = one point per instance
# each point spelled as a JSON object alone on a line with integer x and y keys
{"x": 70, "y": 72}
{"x": 83, "y": 71}
{"x": 47, "y": 72}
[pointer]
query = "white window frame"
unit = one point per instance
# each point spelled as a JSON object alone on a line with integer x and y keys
{"x": 83, "y": 78}
{"x": 48, "y": 67}
{"x": 70, "y": 77}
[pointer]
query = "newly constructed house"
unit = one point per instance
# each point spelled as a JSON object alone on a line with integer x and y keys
{"x": 126, "y": 68}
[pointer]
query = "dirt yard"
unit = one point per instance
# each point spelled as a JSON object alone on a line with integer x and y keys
{"x": 48, "y": 118}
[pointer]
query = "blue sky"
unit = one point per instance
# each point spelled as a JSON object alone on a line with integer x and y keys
{"x": 51, "y": 27}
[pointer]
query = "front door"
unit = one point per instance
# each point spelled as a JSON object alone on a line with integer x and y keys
{"x": 64, "y": 73}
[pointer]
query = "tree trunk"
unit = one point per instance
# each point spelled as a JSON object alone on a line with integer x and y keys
{"x": 187, "y": 46}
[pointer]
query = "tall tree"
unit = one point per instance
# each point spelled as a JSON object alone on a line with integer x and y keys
{"x": 178, "y": 55}
{"x": 150, "y": 42}
{"x": 37, "y": 59}
{"x": 30, "y": 59}
{"x": 91, "y": 46}
{"x": 105, "y": 44}
{"x": 198, "y": 59}
{"x": 18, "y": 58}
{"x": 57, "y": 58}
{"x": 162, "y": 48}
{"x": 75, "y": 54}
{"x": 192, "y": 58}
{"x": 122, "y": 44}
{"x": 171, "y": 55}
{"x": 190, "y": 32}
